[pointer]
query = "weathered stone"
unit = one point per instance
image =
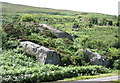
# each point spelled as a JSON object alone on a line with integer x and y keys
{"x": 58, "y": 33}
{"x": 75, "y": 26}
{"x": 96, "y": 59}
{"x": 43, "y": 55}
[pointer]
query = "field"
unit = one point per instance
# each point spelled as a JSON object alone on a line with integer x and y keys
{"x": 97, "y": 32}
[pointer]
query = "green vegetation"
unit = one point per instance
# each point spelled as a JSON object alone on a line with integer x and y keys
{"x": 98, "y": 32}
{"x": 113, "y": 73}
{"x": 16, "y": 67}
{"x": 27, "y": 18}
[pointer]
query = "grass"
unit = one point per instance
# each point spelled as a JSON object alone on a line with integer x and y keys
{"x": 114, "y": 73}
{"x": 63, "y": 20}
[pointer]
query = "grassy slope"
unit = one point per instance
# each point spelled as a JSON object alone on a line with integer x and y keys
{"x": 8, "y": 8}
{"x": 99, "y": 33}
{"x": 16, "y": 8}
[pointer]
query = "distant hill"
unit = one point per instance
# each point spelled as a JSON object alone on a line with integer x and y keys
{"x": 16, "y": 8}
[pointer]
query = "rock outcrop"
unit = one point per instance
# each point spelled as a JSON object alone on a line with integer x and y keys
{"x": 43, "y": 55}
{"x": 96, "y": 59}
{"x": 58, "y": 33}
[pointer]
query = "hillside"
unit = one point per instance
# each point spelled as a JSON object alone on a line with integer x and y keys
{"x": 42, "y": 44}
{"x": 16, "y": 8}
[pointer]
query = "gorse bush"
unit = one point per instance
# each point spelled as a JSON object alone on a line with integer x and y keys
{"x": 5, "y": 38}
{"x": 27, "y": 18}
{"x": 7, "y": 43}
{"x": 113, "y": 56}
{"x": 11, "y": 44}
{"x": 19, "y": 30}
{"x": 117, "y": 44}
{"x": 78, "y": 60}
{"x": 96, "y": 44}
{"x": 39, "y": 39}
{"x": 93, "y": 20}
{"x": 116, "y": 64}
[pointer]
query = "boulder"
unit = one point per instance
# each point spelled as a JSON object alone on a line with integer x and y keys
{"x": 75, "y": 26}
{"x": 58, "y": 33}
{"x": 96, "y": 59}
{"x": 43, "y": 55}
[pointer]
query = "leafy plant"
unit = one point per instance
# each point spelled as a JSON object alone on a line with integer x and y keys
{"x": 116, "y": 64}
{"x": 27, "y": 18}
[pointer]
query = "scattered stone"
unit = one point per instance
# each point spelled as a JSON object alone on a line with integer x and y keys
{"x": 58, "y": 33}
{"x": 43, "y": 55}
{"x": 95, "y": 58}
{"x": 76, "y": 26}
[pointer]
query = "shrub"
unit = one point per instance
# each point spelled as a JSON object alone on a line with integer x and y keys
{"x": 110, "y": 22}
{"x": 93, "y": 20}
{"x": 65, "y": 59}
{"x": 19, "y": 30}
{"x": 5, "y": 38}
{"x": 78, "y": 24}
{"x": 90, "y": 25}
{"x": 27, "y": 18}
{"x": 39, "y": 39}
{"x": 93, "y": 44}
{"x": 116, "y": 64}
{"x": 113, "y": 56}
{"x": 113, "y": 53}
{"x": 77, "y": 60}
{"x": 117, "y": 44}
{"x": 11, "y": 44}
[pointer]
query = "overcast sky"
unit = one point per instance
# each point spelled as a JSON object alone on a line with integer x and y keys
{"x": 97, "y": 6}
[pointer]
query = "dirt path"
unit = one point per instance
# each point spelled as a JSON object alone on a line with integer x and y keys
{"x": 97, "y": 80}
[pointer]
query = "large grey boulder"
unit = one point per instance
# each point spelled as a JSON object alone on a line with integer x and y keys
{"x": 43, "y": 55}
{"x": 58, "y": 33}
{"x": 96, "y": 59}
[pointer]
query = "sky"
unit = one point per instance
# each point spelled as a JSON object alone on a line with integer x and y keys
{"x": 96, "y": 6}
